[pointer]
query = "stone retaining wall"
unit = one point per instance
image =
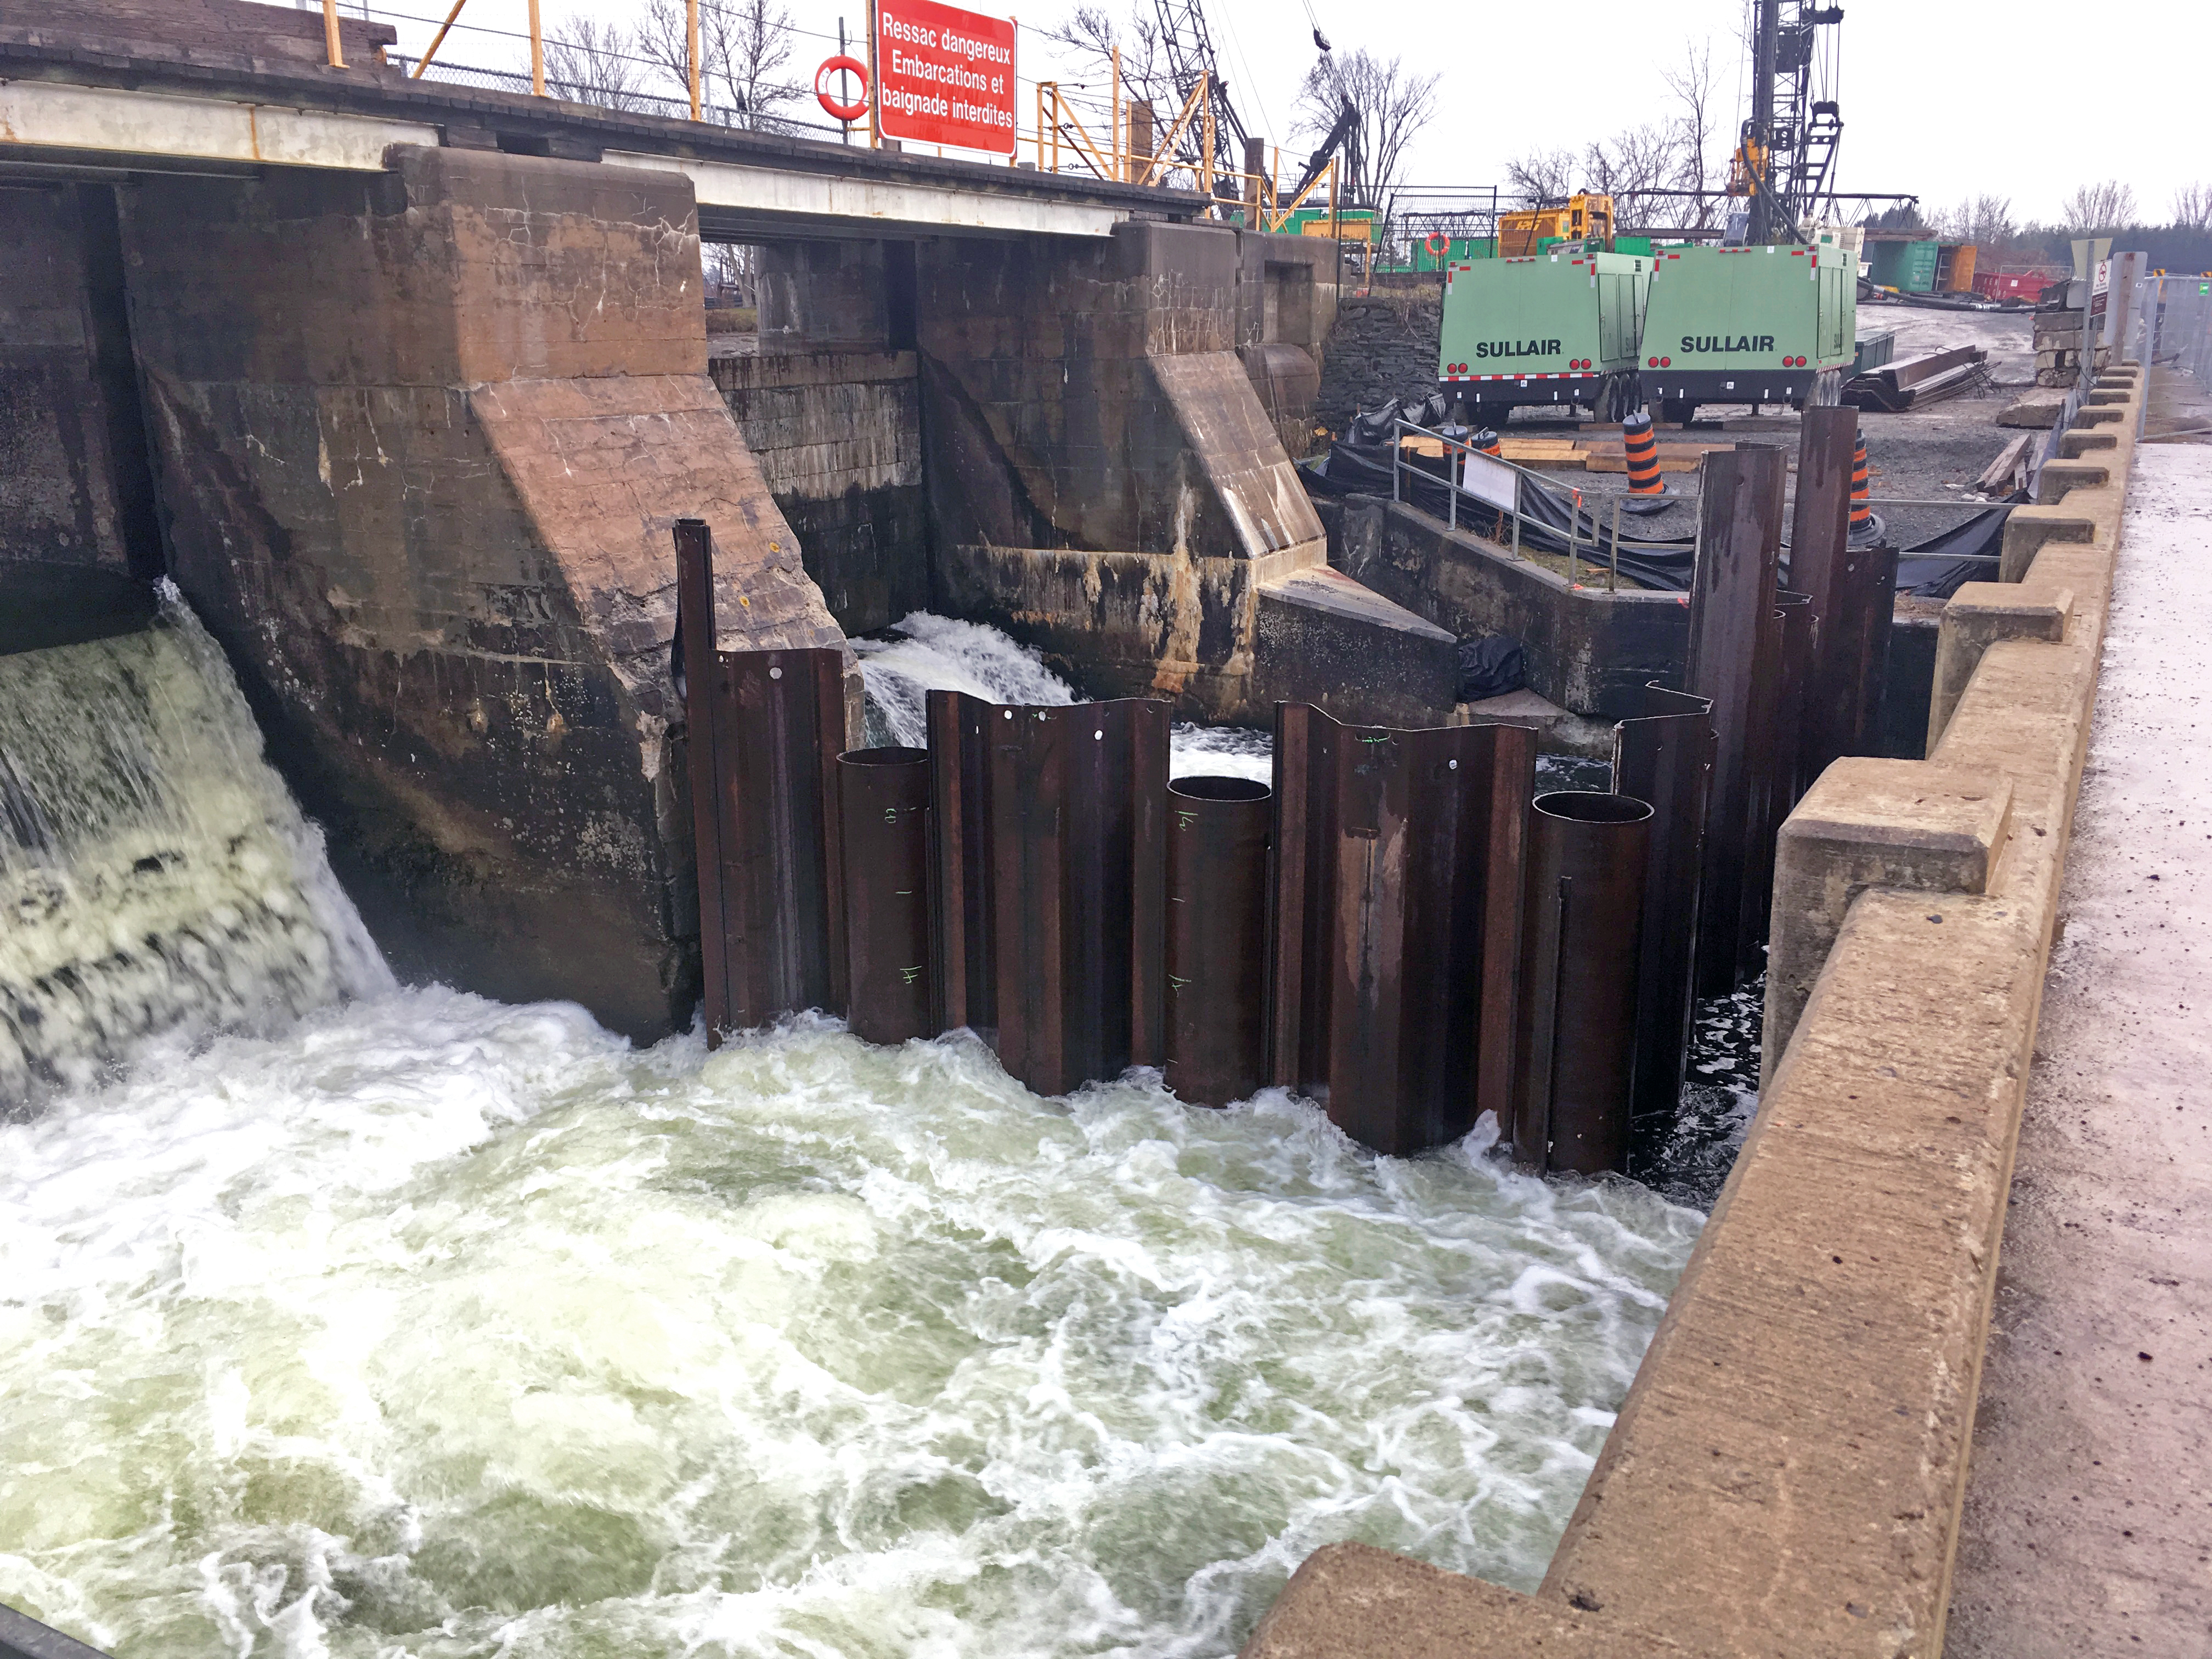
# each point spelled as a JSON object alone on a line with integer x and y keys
{"x": 1786, "y": 1475}
{"x": 1383, "y": 346}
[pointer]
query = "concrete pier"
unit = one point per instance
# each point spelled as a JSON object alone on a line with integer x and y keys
{"x": 2087, "y": 1528}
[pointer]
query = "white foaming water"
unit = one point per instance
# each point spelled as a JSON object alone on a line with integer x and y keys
{"x": 937, "y": 654}
{"x": 441, "y": 1327}
{"x": 155, "y": 877}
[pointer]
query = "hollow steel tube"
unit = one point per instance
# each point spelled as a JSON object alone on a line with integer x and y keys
{"x": 1576, "y": 1031}
{"x": 1218, "y": 830}
{"x": 884, "y": 797}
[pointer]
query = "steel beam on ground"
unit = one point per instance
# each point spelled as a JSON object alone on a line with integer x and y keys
{"x": 1576, "y": 1037}
{"x": 763, "y": 730}
{"x": 1731, "y": 661}
{"x": 1664, "y": 756}
{"x": 1397, "y": 920}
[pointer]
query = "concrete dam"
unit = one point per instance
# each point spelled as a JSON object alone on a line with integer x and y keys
{"x": 865, "y": 986}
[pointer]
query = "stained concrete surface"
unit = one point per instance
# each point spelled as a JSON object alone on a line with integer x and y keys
{"x": 2087, "y": 1528}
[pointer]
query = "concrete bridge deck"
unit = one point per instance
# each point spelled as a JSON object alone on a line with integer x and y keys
{"x": 2087, "y": 1528}
{"x": 90, "y": 90}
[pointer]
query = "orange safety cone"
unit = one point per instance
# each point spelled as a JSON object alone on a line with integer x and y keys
{"x": 1865, "y": 527}
{"x": 1641, "y": 445}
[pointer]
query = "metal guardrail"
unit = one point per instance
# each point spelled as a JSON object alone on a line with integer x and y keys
{"x": 1462, "y": 456}
{"x": 22, "y": 1637}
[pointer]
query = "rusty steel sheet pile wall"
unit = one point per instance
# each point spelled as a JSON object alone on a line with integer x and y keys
{"x": 1786, "y": 1475}
{"x": 883, "y": 806}
{"x": 1397, "y": 921}
{"x": 1732, "y": 660}
{"x": 1664, "y": 756}
{"x": 764, "y": 794}
{"x": 1057, "y": 848}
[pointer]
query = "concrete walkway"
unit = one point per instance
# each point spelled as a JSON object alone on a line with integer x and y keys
{"x": 2088, "y": 1519}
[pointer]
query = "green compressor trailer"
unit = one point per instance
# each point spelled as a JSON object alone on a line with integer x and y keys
{"x": 1557, "y": 328}
{"x": 1749, "y": 326}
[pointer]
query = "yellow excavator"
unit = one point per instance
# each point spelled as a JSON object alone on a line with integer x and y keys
{"x": 1581, "y": 219}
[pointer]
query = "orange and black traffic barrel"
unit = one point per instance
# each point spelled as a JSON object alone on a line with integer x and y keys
{"x": 1641, "y": 445}
{"x": 1484, "y": 442}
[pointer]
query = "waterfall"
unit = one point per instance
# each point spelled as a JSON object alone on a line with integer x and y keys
{"x": 158, "y": 881}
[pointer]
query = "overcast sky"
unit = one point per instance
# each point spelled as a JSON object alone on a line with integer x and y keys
{"x": 1939, "y": 97}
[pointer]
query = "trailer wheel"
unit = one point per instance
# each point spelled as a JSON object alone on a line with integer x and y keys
{"x": 1679, "y": 410}
{"x": 1620, "y": 398}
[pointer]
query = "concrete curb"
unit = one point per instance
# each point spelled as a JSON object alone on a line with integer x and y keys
{"x": 1786, "y": 1475}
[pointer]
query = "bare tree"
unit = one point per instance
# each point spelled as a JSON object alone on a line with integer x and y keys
{"x": 2094, "y": 208}
{"x": 2192, "y": 207}
{"x": 1390, "y": 103}
{"x": 598, "y": 63}
{"x": 1541, "y": 176}
{"x": 1696, "y": 168}
{"x": 742, "y": 44}
{"x": 1985, "y": 220}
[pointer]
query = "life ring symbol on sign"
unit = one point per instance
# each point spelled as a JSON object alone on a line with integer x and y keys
{"x": 839, "y": 110}
{"x": 1438, "y": 243}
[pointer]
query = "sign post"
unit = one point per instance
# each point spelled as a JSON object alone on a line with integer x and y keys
{"x": 943, "y": 75}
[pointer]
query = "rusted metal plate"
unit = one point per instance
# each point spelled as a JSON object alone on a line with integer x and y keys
{"x": 1051, "y": 851}
{"x": 1218, "y": 834}
{"x": 1579, "y": 972}
{"x": 884, "y": 797}
{"x": 1664, "y": 756}
{"x": 1397, "y": 923}
{"x": 1733, "y": 659}
{"x": 1775, "y": 743}
{"x": 1853, "y": 592}
{"x": 764, "y": 729}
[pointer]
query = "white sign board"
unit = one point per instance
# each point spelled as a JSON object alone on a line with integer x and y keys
{"x": 1488, "y": 479}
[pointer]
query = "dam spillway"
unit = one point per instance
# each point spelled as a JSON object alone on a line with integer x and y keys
{"x": 344, "y": 1316}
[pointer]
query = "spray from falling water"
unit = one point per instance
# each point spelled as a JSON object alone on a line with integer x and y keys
{"x": 155, "y": 877}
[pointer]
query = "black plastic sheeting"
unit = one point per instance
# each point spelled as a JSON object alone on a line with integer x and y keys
{"x": 1359, "y": 465}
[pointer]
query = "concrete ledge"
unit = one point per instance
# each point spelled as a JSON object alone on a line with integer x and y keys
{"x": 1785, "y": 1476}
{"x": 1978, "y": 616}
{"x": 1871, "y": 823}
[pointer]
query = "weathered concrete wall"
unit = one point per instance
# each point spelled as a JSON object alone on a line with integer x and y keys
{"x": 838, "y": 438}
{"x": 1286, "y": 304}
{"x": 1384, "y": 346}
{"x": 1786, "y": 1475}
{"x": 73, "y": 485}
{"x": 1589, "y": 651}
{"x": 421, "y": 438}
{"x": 1106, "y": 482}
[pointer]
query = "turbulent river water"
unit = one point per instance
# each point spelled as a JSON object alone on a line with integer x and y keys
{"x": 340, "y": 1319}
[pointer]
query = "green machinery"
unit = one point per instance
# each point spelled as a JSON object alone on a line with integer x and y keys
{"x": 1559, "y": 328}
{"x": 1762, "y": 325}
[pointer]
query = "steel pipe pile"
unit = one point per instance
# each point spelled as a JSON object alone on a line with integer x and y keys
{"x": 1576, "y": 1038}
{"x": 1220, "y": 829}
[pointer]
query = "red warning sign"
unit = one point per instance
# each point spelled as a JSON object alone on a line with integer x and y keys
{"x": 945, "y": 76}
